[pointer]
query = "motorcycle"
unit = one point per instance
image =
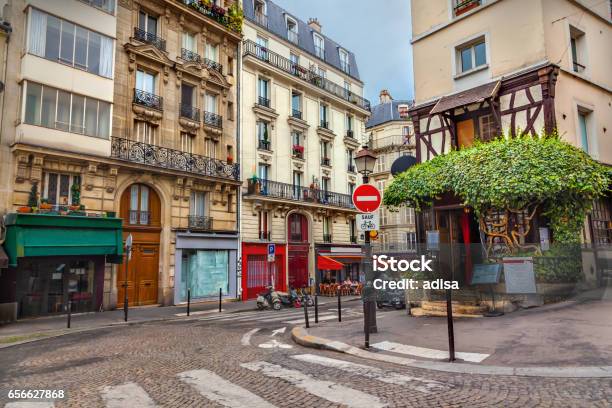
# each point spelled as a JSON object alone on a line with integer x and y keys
{"x": 268, "y": 299}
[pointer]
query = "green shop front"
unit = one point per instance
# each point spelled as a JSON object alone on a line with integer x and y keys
{"x": 54, "y": 260}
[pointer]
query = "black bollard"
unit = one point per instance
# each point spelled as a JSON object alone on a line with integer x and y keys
{"x": 306, "y": 315}
{"x": 449, "y": 322}
{"x": 339, "y": 306}
{"x": 188, "y": 300}
{"x": 220, "y": 294}
{"x": 366, "y": 324}
{"x": 69, "y": 313}
{"x": 316, "y": 308}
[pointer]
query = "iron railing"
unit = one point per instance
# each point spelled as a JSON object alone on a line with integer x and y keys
{"x": 296, "y": 114}
{"x": 463, "y": 6}
{"x": 298, "y": 151}
{"x": 210, "y": 64}
{"x": 291, "y": 192}
{"x": 263, "y": 101}
{"x": 148, "y": 99}
{"x": 264, "y": 144}
{"x": 163, "y": 157}
{"x": 213, "y": 12}
{"x": 391, "y": 141}
{"x": 351, "y": 168}
{"x": 149, "y": 38}
{"x": 290, "y": 67}
{"x": 190, "y": 112}
{"x": 350, "y": 133}
{"x": 213, "y": 119}
{"x": 189, "y": 55}
{"x": 324, "y": 124}
{"x": 200, "y": 223}
{"x": 326, "y": 161}
{"x": 327, "y": 238}
{"x": 139, "y": 217}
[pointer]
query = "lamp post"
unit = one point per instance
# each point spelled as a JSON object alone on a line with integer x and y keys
{"x": 365, "y": 161}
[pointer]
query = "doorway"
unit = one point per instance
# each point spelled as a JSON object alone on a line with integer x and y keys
{"x": 298, "y": 250}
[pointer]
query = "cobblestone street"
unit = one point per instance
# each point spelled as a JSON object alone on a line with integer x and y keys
{"x": 221, "y": 363}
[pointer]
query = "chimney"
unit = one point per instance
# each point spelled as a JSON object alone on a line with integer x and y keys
{"x": 314, "y": 24}
{"x": 385, "y": 96}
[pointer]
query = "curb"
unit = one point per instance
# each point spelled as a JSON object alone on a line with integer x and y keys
{"x": 300, "y": 336}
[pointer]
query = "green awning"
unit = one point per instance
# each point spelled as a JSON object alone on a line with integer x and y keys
{"x": 55, "y": 235}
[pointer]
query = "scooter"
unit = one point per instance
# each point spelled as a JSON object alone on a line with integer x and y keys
{"x": 268, "y": 299}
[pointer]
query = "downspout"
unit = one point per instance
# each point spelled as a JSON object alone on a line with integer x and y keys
{"x": 238, "y": 161}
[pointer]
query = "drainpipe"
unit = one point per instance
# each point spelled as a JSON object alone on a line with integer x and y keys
{"x": 238, "y": 161}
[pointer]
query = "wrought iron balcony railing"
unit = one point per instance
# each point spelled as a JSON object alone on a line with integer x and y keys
{"x": 324, "y": 124}
{"x": 275, "y": 189}
{"x": 296, "y": 114}
{"x": 290, "y": 67}
{"x": 148, "y": 99}
{"x": 213, "y": 119}
{"x": 189, "y": 55}
{"x": 350, "y": 133}
{"x": 325, "y": 161}
{"x": 264, "y": 145}
{"x": 139, "y": 217}
{"x": 263, "y": 101}
{"x": 463, "y": 6}
{"x": 351, "y": 168}
{"x": 165, "y": 158}
{"x": 391, "y": 141}
{"x": 264, "y": 235}
{"x": 150, "y": 38}
{"x": 199, "y": 223}
{"x": 190, "y": 112}
{"x": 213, "y": 12}
{"x": 213, "y": 65}
{"x": 327, "y": 238}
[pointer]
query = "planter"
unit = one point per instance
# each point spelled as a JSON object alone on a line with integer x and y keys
{"x": 74, "y": 207}
{"x": 111, "y": 214}
{"x": 77, "y": 213}
{"x": 24, "y": 209}
{"x": 45, "y": 206}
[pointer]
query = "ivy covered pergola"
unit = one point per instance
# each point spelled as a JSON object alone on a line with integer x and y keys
{"x": 513, "y": 178}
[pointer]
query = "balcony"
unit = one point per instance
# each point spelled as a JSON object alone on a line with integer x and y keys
{"x": 149, "y": 38}
{"x": 264, "y": 235}
{"x": 327, "y": 238}
{"x": 325, "y": 161}
{"x": 463, "y": 6}
{"x": 190, "y": 112}
{"x": 214, "y": 65}
{"x": 298, "y": 151}
{"x": 304, "y": 74}
{"x": 261, "y": 19}
{"x": 264, "y": 145}
{"x": 296, "y": 114}
{"x": 391, "y": 141}
{"x": 191, "y": 56}
{"x": 274, "y": 189}
{"x": 212, "y": 119}
{"x": 170, "y": 159}
{"x": 350, "y": 134}
{"x": 148, "y": 99}
{"x": 324, "y": 124}
{"x": 351, "y": 168}
{"x": 199, "y": 223}
{"x": 292, "y": 36}
{"x": 139, "y": 217}
{"x": 213, "y": 12}
{"x": 261, "y": 101}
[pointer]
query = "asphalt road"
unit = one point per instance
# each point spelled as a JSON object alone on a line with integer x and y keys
{"x": 249, "y": 360}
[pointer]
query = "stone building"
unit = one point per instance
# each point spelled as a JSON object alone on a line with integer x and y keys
{"x": 128, "y": 106}
{"x": 391, "y": 136}
{"x": 302, "y": 119}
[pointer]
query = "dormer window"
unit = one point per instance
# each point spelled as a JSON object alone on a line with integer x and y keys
{"x": 261, "y": 12}
{"x": 344, "y": 60}
{"x": 292, "y": 30}
{"x": 319, "y": 45}
{"x": 403, "y": 111}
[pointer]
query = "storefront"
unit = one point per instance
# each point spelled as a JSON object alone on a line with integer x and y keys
{"x": 205, "y": 263}
{"x": 55, "y": 260}
{"x": 349, "y": 256}
{"x": 258, "y": 272}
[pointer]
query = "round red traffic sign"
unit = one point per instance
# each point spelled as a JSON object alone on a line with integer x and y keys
{"x": 366, "y": 198}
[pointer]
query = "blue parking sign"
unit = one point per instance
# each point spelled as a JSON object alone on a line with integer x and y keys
{"x": 271, "y": 252}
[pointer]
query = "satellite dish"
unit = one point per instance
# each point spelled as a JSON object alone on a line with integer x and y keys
{"x": 402, "y": 163}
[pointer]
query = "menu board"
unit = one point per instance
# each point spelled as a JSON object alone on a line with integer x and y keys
{"x": 519, "y": 275}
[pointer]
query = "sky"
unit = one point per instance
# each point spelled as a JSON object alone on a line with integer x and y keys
{"x": 378, "y": 32}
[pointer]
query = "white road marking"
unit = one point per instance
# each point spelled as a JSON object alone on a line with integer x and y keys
{"x": 30, "y": 404}
{"x": 221, "y": 391}
{"x": 250, "y": 315}
{"x": 327, "y": 390}
{"x": 126, "y": 395}
{"x": 199, "y": 312}
{"x": 278, "y": 331}
{"x": 427, "y": 352}
{"x": 246, "y": 338}
{"x": 275, "y": 344}
{"x": 389, "y": 377}
{"x": 311, "y": 318}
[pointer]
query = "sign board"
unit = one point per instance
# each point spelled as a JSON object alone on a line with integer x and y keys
{"x": 519, "y": 274}
{"x": 544, "y": 239}
{"x": 128, "y": 246}
{"x": 486, "y": 274}
{"x": 366, "y": 198}
{"x": 271, "y": 252}
{"x": 433, "y": 240}
{"x": 368, "y": 222}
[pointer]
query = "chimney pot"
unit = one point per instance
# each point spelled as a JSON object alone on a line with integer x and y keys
{"x": 385, "y": 96}
{"x": 314, "y": 24}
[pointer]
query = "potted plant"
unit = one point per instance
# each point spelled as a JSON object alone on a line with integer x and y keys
{"x": 298, "y": 151}
{"x": 33, "y": 198}
{"x": 75, "y": 189}
{"x": 44, "y": 204}
{"x": 230, "y": 159}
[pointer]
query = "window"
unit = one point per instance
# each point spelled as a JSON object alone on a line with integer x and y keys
{"x": 319, "y": 44}
{"x": 327, "y": 229}
{"x": 211, "y": 103}
{"x": 212, "y": 52}
{"x": 408, "y": 215}
{"x": 383, "y": 216}
{"x": 296, "y": 103}
{"x": 145, "y": 132}
{"x": 211, "y": 148}
{"x": 486, "y": 124}
{"x": 472, "y": 55}
{"x": 104, "y": 5}
{"x": 406, "y": 133}
{"x": 139, "y": 204}
{"x": 260, "y": 11}
{"x": 381, "y": 163}
{"x": 292, "y": 30}
{"x": 197, "y": 204}
{"x": 230, "y": 110}
{"x": 351, "y": 188}
{"x": 189, "y": 42}
{"x": 577, "y": 43}
{"x": 187, "y": 93}
{"x": 325, "y": 184}
{"x": 145, "y": 81}
{"x": 186, "y": 142}
{"x": 348, "y": 122}
{"x": 601, "y": 221}
{"x": 56, "y": 109}
{"x": 70, "y": 44}
{"x": 295, "y": 59}
{"x": 263, "y": 136}
{"x": 57, "y": 188}
{"x": 349, "y": 160}
{"x": 403, "y": 110}
{"x": 584, "y": 119}
{"x": 264, "y": 226}
{"x": 297, "y": 185}
{"x": 344, "y": 60}
{"x": 297, "y": 149}
{"x": 264, "y": 171}
{"x": 323, "y": 116}
{"x": 263, "y": 87}
{"x": 325, "y": 153}
{"x": 262, "y": 48}
{"x": 147, "y": 22}
{"x": 411, "y": 241}
{"x": 296, "y": 137}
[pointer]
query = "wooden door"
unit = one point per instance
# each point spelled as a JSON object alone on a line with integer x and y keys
{"x": 146, "y": 266}
{"x": 121, "y": 284}
{"x": 465, "y": 133}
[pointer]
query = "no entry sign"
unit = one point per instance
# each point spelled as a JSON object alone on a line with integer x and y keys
{"x": 366, "y": 198}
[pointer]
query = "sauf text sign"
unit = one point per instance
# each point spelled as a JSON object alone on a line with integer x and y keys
{"x": 368, "y": 222}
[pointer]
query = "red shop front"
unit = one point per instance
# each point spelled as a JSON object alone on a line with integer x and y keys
{"x": 258, "y": 273}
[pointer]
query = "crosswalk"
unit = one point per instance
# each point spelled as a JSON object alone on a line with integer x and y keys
{"x": 220, "y": 391}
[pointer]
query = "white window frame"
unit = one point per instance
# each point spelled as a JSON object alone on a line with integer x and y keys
{"x": 344, "y": 62}
{"x": 466, "y": 43}
{"x": 71, "y": 178}
{"x": 196, "y": 198}
{"x": 289, "y": 19}
{"x": 315, "y": 37}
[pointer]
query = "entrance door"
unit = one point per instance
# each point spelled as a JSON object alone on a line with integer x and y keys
{"x": 146, "y": 264}
{"x": 465, "y": 133}
{"x": 298, "y": 265}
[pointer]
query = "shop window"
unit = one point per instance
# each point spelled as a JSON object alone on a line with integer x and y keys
{"x": 204, "y": 272}
{"x": 58, "y": 187}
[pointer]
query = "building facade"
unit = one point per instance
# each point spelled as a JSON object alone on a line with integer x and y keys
{"x": 492, "y": 76}
{"x": 130, "y": 107}
{"x": 302, "y": 119}
{"x": 391, "y": 136}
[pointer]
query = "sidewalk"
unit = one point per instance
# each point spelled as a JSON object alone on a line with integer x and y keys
{"x": 566, "y": 335}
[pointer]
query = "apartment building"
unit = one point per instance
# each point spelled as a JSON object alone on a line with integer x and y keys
{"x": 302, "y": 119}
{"x": 391, "y": 136}
{"x": 125, "y": 125}
{"x": 520, "y": 66}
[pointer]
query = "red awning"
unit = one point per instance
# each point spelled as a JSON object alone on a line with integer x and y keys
{"x": 328, "y": 264}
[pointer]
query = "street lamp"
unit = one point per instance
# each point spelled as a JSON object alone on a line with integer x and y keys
{"x": 365, "y": 161}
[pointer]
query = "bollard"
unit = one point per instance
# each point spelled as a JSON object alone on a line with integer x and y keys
{"x": 316, "y": 308}
{"x": 220, "y": 294}
{"x": 306, "y": 315}
{"x": 339, "y": 307}
{"x": 449, "y": 322}
{"x": 69, "y": 312}
{"x": 188, "y": 300}
{"x": 366, "y": 324}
